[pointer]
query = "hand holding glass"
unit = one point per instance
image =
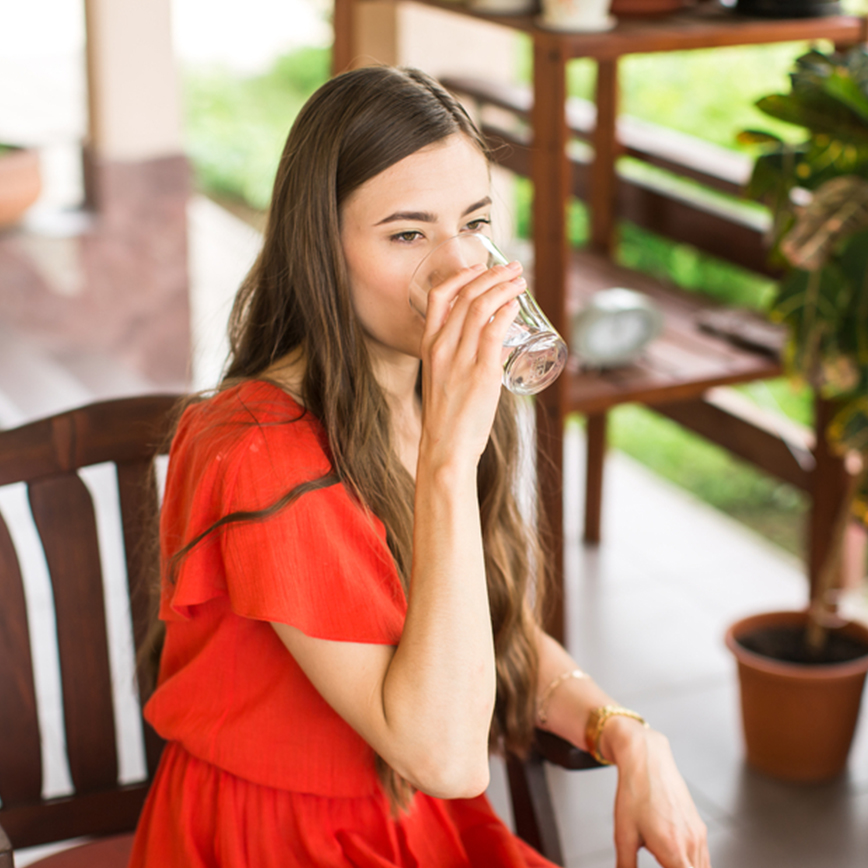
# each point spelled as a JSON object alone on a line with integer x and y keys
{"x": 534, "y": 352}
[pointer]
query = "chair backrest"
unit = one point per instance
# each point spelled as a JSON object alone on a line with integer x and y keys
{"x": 50, "y": 460}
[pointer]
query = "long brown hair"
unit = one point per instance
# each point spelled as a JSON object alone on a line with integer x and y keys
{"x": 297, "y": 296}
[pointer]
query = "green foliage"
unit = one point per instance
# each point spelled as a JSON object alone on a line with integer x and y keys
{"x": 818, "y": 191}
{"x": 236, "y": 127}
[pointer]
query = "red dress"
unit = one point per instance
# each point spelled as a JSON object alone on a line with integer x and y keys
{"x": 259, "y": 771}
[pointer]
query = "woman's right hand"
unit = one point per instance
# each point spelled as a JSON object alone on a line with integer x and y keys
{"x": 462, "y": 359}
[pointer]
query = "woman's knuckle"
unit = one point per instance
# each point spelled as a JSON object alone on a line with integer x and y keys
{"x": 478, "y": 307}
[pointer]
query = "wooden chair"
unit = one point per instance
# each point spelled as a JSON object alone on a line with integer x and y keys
{"x": 532, "y": 805}
{"x": 47, "y": 456}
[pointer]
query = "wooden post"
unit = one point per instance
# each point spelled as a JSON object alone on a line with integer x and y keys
{"x": 596, "y": 454}
{"x": 550, "y": 171}
{"x": 343, "y": 23}
{"x": 603, "y": 181}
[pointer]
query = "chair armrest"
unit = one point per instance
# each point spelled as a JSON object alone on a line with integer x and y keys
{"x": 560, "y": 752}
{"x": 6, "y": 858}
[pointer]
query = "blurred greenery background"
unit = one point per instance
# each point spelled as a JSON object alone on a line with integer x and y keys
{"x": 236, "y": 126}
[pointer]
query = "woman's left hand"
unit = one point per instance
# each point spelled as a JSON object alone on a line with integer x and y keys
{"x": 653, "y": 808}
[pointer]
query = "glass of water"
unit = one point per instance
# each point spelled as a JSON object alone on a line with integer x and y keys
{"x": 534, "y": 353}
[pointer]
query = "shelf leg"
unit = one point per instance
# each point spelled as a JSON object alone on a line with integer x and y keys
{"x": 551, "y": 175}
{"x": 596, "y": 456}
{"x": 603, "y": 180}
{"x": 344, "y": 23}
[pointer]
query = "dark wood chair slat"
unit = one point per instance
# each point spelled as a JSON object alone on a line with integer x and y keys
{"x": 100, "y": 813}
{"x": 20, "y": 757}
{"x": 5, "y": 850}
{"x": 46, "y": 455}
{"x": 137, "y": 489}
{"x": 128, "y": 429}
{"x": 63, "y": 512}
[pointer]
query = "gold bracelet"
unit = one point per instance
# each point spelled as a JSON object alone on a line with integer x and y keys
{"x": 542, "y": 714}
{"x": 597, "y": 719}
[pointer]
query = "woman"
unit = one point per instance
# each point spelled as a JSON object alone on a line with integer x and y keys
{"x": 346, "y": 571}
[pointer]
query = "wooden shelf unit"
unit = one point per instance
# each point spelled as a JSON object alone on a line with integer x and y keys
{"x": 685, "y": 363}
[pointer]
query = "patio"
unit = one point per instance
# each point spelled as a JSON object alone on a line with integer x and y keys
{"x": 646, "y": 610}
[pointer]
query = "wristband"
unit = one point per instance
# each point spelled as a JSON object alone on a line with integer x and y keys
{"x": 597, "y": 719}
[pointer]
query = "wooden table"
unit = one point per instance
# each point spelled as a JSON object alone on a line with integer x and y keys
{"x": 685, "y": 363}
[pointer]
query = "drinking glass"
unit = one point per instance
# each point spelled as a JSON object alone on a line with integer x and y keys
{"x": 534, "y": 353}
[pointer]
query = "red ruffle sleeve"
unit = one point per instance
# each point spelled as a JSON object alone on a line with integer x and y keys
{"x": 321, "y": 564}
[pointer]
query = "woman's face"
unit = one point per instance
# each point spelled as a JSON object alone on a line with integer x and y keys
{"x": 393, "y": 220}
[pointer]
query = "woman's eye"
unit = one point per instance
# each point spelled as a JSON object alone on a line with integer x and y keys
{"x": 407, "y": 237}
{"x": 479, "y": 223}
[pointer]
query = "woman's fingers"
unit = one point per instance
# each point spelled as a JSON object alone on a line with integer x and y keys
{"x": 461, "y": 352}
{"x": 487, "y": 316}
{"x": 627, "y": 844}
{"x": 442, "y": 298}
{"x": 449, "y": 303}
{"x": 467, "y": 324}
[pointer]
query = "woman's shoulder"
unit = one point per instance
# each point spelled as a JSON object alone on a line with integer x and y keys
{"x": 252, "y": 406}
{"x": 252, "y": 417}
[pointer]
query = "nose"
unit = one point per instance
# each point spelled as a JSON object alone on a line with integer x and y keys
{"x": 453, "y": 255}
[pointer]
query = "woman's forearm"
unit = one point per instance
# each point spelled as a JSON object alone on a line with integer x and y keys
{"x": 440, "y": 686}
{"x": 569, "y": 705}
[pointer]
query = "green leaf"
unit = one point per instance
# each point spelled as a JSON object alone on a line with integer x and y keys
{"x": 811, "y": 304}
{"x": 758, "y": 137}
{"x": 820, "y": 115}
{"x": 839, "y": 208}
{"x": 814, "y": 62}
{"x": 841, "y": 86}
{"x": 853, "y": 260}
{"x": 857, "y": 65}
{"x": 849, "y": 426}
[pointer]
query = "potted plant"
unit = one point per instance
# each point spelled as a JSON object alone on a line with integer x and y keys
{"x": 802, "y": 673}
{"x": 20, "y": 183}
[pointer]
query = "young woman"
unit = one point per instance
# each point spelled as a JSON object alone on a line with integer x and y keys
{"x": 346, "y": 573}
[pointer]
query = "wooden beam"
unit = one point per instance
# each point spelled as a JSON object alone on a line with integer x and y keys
{"x": 719, "y": 231}
{"x": 770, "y": 441}
{"x": 679, "y": 153}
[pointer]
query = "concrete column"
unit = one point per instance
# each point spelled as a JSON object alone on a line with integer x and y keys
{"x": 132, "y": 80}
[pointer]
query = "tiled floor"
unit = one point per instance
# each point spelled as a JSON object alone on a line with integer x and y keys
{"x": 646, "y": 610}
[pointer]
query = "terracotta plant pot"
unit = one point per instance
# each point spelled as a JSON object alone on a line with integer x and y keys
{"x": 20, "y": 183}
{"x": 645, "y": 7}
{"x": 798, "y": 719}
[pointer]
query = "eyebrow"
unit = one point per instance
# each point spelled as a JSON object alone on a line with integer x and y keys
{"x": 427, "y": 216}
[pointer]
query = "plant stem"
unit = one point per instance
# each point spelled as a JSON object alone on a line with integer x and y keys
{"x": 817, "y": 629}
